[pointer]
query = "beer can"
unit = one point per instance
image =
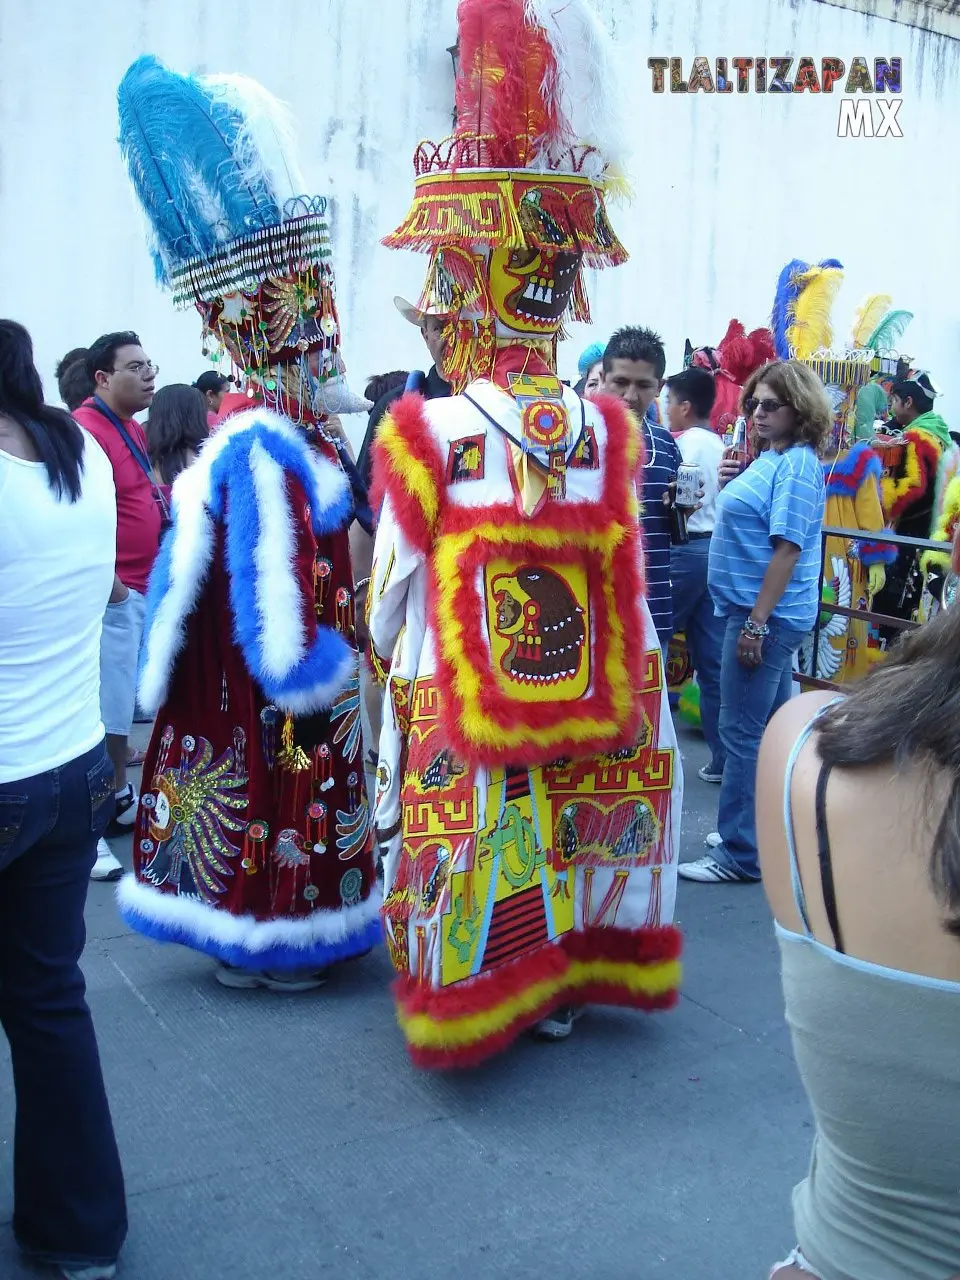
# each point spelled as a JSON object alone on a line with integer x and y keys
{"x": 689, "y": 484}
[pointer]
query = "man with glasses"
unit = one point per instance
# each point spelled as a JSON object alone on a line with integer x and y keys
{"x": 124, "y": 379}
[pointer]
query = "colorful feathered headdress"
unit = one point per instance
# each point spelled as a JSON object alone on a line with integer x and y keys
{"x": 738, "y": 354}
{"x": 802, "y": 306}
{"x": 213, "y": 164}
{"x": 742, "y": 353}
{"x": 513, "y": 204}
{"x": 802, "y": 325}
{"x": 731, "y": 363}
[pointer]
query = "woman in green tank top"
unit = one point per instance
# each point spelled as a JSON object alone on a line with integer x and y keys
{"x": 858, "y": 819}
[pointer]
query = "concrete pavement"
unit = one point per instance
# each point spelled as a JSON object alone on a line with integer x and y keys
{"x": 271, "y": 1137}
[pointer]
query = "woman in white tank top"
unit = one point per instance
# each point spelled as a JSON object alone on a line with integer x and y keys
{"x": 858, "y": 816}
{"x": 58, "y": 524}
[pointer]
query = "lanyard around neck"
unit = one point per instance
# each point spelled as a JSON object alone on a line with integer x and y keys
{"x": 141, "y": 458}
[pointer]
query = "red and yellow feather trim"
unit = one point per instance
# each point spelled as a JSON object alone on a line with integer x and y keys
{"x": 921, "y": 459}
{"x": 483, "y": 724}
{"x": 945, "y": 529}
{"x": 408, "y": 468}
{"x": 461, "y": 1025}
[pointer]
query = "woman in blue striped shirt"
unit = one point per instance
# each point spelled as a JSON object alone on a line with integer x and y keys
{"x": 763, "y": 575}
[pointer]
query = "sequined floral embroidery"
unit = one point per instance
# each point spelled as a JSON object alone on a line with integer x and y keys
{"x": 192, "y": 807}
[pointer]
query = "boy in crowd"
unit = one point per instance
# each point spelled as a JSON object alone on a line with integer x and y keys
{"x": 691, "y": 396}
{"x": 633, "y": 367}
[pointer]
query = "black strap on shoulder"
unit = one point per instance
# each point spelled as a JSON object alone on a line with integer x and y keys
{"x": 823, "y": 850}
{"x": 141, "y": 459}
{"x": 491, "y": 419}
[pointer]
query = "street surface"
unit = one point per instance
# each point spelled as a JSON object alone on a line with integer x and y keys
{"x": 270, "y": 1137}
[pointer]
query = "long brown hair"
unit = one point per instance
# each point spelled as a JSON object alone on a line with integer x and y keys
{"x": 176, "y": 428}
{"x": 907, "y": 709}
{"x": 798, "y": 386}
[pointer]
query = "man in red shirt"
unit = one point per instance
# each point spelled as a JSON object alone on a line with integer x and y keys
{"x": 124, "y": 380}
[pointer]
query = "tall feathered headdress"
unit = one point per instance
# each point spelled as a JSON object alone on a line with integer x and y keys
{"x": 885, "y": 338}
{"x": 213, "y": 164}
{"x": 802, "y": 325}
{"x": 535, "y": 153}
{"x": 802, "y": 306}
{"x": 731, "y": 362}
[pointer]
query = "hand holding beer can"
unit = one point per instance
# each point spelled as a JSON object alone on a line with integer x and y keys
{"x": 689, "y": 486}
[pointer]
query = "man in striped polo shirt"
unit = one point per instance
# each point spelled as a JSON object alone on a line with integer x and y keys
{"x": 633, "y": 367}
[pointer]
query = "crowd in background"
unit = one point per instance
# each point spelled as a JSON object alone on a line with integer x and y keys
{"x": 863, "y": 876}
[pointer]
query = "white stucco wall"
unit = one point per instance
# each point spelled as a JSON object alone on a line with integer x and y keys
{"x": 728, "y": 188}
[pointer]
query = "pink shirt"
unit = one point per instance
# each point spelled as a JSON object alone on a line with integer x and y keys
{"x": 138, "y": 515}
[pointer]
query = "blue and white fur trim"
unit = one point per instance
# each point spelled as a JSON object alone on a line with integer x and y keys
{"x": 240, "y": 479}
{"x": 322, "y": 938}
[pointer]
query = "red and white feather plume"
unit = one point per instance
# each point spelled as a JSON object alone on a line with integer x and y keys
{"x": 537, "y": 79}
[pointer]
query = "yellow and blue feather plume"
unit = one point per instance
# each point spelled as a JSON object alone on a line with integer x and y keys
{"x": 789, "y": 285}
{"x": 802, "y": 305}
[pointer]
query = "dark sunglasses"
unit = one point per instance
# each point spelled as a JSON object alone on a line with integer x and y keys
{"x": 752, "y": 404}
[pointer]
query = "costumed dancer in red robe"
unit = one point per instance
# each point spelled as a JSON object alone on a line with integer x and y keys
{"x": 529, "y": 783}
{"x": 253, "y": 838}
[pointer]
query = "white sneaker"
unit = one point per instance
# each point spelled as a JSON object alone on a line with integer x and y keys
{"x": 229, "y": 975}
{"x": 89, "y": 1273}
{"x": 106, "y": 867}
{"x": 558, "y": 1025}
{"x": 708, "y": 871}
{"x": 714, "y": 840}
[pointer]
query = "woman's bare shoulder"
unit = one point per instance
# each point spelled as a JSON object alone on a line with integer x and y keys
{"x": 778, "y": 742}
{"x": 784, "y": 730}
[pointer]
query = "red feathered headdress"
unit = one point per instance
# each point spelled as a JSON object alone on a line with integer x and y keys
{"x": 742, "y": 353}
{"x": 513, "y": 204}
{"x": 738, "y": 355}
{"x": 502, "y": 111}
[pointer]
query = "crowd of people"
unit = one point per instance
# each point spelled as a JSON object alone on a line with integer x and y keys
{"x": 418, "y": 695}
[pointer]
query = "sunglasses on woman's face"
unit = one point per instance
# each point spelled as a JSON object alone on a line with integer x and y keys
{"x": 768, "y": 406}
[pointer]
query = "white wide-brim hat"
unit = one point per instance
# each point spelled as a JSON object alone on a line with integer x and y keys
{"x": 414, "y": 314}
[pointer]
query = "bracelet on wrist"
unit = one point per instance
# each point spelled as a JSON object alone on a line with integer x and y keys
{"x": 755, "y": 630}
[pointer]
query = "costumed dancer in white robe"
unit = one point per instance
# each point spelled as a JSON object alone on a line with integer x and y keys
{"x": 529, "y": 782}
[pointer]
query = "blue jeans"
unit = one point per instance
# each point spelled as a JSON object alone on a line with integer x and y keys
{"x": 748, "y": 698}
{"x": 693, "y": 615}
{"x": 69, "y": 1201}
